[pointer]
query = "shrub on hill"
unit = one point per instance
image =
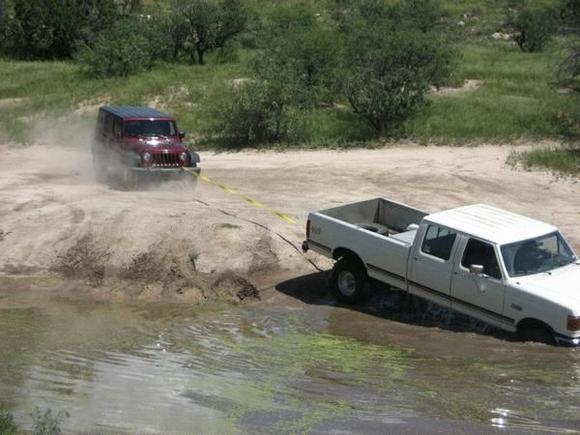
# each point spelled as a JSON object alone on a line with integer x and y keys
{"x": 390, "y": 59}
{"x": 129, "y": 47}
{"x": 534, "y": 28}
{"x": 51, "y": 29}
{"x": 203, "y": 25}
{"x": 253, "y": 113}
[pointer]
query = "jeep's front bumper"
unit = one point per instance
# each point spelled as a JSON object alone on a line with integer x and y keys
{"x": 162, "y": 170}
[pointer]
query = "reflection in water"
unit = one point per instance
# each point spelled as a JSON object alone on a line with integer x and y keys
{"x": 130, "y": 368}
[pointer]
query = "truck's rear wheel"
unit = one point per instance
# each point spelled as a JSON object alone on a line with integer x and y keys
{"x": 349, "y": 281}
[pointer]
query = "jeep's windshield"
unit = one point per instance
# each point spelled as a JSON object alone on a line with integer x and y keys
{"x": 149, "y": 128}
{"x": 537, "y": 255}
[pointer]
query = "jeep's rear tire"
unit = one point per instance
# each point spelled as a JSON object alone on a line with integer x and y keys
{"x": 349, "y": 281}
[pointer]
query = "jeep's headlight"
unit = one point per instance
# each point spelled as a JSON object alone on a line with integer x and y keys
{"x": 184, "y": 156}
{"x": 573, "y": 323}
{"x": 146, "y": 157}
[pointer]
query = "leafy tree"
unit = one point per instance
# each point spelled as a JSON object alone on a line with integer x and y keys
{"x": 300, "y": 51}
{"x": 534, "y": 28}
{"x": 4, "y": 32}
{"x": 389, "y": 62}
{"x": 52, "y": 28}
{"x": 210, "y": 24}
{"x": 129, "y": 47}
{"x": 177, "y": 32}
{"x": 7, "y": 424}
{"x": 569, "y": 70}
{"x": 252, "y": 113}
{"x": 290, "y": 18}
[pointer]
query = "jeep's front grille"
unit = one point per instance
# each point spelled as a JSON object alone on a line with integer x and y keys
{"x": 165, "y": 160}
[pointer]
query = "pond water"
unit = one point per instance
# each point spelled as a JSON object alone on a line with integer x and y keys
{"x": 150, "y": 368}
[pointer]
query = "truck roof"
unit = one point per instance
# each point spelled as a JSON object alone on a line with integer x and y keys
{"x": 135, "y": 112}
{"x": 492, "y": 224}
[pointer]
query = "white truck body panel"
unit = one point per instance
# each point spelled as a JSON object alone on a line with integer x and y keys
{"x": 397, "y": 246}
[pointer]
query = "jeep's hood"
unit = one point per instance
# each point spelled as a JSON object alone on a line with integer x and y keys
{"x": 560, "y": 285}
{"x": 159, "y": 142}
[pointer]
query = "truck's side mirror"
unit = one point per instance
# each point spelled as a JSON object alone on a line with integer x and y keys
{"x": 181, "y": 135}
{"x": 476, "y": 269}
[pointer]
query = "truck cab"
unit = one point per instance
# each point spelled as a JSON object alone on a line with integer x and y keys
{"x": 132, "y": 142}
{"x": 508, "y": 270}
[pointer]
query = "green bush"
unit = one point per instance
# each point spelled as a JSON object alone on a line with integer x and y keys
{"x": 47, "y": 423}
{"x": 206, "y": 25}
{"x": 389, "y": 62}
{"x": 251, "y": 113}
{"x": 131, "y": 46}
{"x": 569, "y": 69}
{"x": 7, "y": 425}
{"x": 51, "y": 29}
{"x": 565, "y": 160}
{"x": 306, "y": 60}
{"x": 534, "y": 28}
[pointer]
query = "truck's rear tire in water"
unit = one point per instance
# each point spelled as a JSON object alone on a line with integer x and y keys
{"x": 349, "y": 281}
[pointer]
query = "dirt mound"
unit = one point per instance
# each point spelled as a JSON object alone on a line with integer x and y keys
{"x": 84, "y": 260}
{"x": 159, "y": 272}
{"x": 229, "y": 286}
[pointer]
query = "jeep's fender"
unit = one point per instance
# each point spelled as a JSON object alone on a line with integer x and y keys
{"x": 130, "y": 158}
{"x": 194, "y": 157}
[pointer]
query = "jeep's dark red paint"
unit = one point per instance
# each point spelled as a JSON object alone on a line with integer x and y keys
{"x": 133, "y": 141}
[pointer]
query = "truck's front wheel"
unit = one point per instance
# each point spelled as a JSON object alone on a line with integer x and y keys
{"x": 538, "y": 333}
{"x": 349, "y": 281}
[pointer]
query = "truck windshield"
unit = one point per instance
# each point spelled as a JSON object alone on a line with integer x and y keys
{"x": 537, "y": 255}
{"x": 149, "y": 128}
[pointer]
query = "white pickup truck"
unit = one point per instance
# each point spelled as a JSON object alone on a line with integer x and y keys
{"x": 508, "y": 270}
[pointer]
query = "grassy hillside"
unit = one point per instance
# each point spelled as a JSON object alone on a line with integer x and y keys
{"x": 510, "y": 94}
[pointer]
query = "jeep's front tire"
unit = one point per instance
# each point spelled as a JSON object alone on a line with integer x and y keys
{"x": 99, "y": 168}
{"x": 128, "y": 178}
{"x": 349, "y": 281}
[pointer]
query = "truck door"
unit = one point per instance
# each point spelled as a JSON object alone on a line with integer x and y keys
{"x": 431, "y": 264}
{"x": 478, "y": 294}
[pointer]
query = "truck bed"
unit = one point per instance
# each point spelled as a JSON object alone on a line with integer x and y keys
{"x": 379, "y": 231}
{"x": 382, "y": 216}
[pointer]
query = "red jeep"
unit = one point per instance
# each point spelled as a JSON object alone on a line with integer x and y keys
{"x": 137, "y": 141}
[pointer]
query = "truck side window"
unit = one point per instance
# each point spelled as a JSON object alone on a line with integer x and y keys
{"x": 478, "y": 252}
{"x": 438, "y": 242}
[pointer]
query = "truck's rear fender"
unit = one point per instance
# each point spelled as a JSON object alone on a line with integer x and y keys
{"x": 340, "y": 253}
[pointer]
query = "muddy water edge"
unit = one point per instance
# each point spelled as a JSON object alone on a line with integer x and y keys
{"x": 292, "y": 363}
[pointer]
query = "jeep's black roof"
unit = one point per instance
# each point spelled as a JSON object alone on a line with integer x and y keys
{"x": 135, "y": 112}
